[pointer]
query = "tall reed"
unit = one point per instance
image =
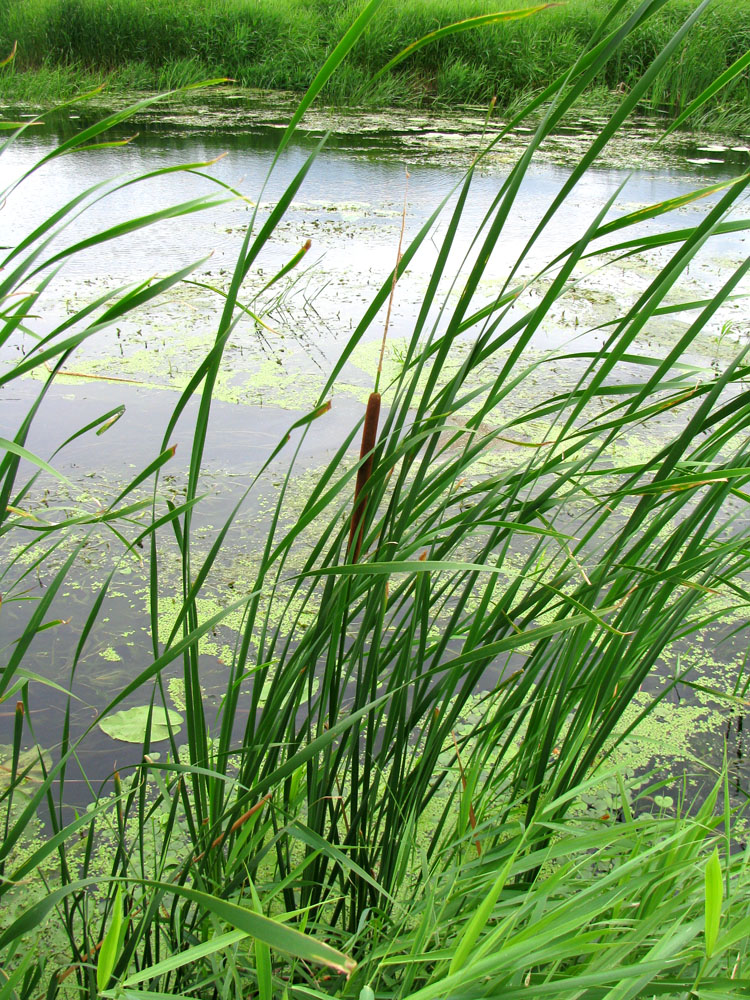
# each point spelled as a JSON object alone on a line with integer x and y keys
{"x": 340, "y": 808}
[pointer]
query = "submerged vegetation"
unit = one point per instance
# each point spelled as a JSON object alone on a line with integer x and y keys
{"x": 407, "y": 787}
{"x": 66, "y": 45}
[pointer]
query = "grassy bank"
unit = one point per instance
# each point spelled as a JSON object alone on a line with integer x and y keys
{"x": 64, "y": 45}
{"x": 405, "y": 789}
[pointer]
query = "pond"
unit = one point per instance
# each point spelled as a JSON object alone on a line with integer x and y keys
{"x": 350, "y": 208}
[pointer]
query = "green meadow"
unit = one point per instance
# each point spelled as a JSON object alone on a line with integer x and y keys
{"x": 68, "y": 45}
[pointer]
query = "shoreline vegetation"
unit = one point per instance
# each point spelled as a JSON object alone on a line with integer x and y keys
{"x": 68, "y": 47}
{"x": 360, "y": 815}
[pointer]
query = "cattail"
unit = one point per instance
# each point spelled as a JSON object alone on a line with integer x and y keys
{"x": 369, "y": 434}
{"x": 372, "y": 415}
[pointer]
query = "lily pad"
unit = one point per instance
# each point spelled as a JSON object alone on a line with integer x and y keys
{"x": 664, "y": 801}
{"x": 130, "y": 724}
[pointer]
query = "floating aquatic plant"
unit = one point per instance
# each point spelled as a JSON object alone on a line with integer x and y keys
{"x": 134, "y": 725}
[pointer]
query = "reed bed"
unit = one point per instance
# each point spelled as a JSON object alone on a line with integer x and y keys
{"x": 279, "y": 44}
{"x": 368, "y": 816}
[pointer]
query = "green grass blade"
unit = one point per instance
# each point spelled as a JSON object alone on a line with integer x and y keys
{"x": 714, "y": 895}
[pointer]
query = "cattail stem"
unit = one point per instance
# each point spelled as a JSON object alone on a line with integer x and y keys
{"x": 372, "y": 416}
{"x": 393, "y": 284}
{"x": 369, "y": 435}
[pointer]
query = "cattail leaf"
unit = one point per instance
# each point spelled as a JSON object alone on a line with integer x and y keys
{"x": 271, "y": 932}
{"x": 110, "y": 948}
{"x": 263, "y": 968}
{"x": 183, "y": 958}
{"x": 714, "y": 896}
{"x": 466, "y": 25}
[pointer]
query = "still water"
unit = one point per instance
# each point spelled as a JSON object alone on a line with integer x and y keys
{"x": 350, "y": 208}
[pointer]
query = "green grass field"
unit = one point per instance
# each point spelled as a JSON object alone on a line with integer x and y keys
{"x": 68, "y": 45}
